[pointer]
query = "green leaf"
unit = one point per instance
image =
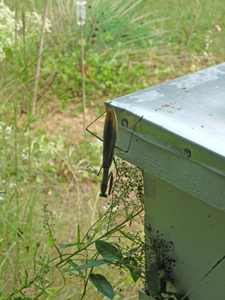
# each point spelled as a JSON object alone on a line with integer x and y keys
{"x": 128, "y": 280}
{"x": 50, "y": 239}
{"x": 133, "y": 268}
{"x": 57, "y": 194}
{"x": 26, "y": 277}
{"x": 102, "y": 285}
{"x": 126, "y": 235}
{"x": 134, "y": 276}
{"x": 163, "y": 286}
{"x": 59, "y": 180}
{"x": 91, "y": 264}
{"x": 52, "y": 169}
{"x": 153, "y": 281}
{"x": 47, "y": 259}
{"x": 84, "y": 42}
{"x": 53, "y": 289}
{"x": 8, "y": 52}
{"x": 108, "y": 36}
{"x": 63, "y": 110}
{"x": 107, "y": 250}
{"x": 77, "y": 112}
{"x": 63, "y": 246}
{"x": 74, "y": 265}
{"x": 39, "y": 180}
{"x": 78, "y": 235}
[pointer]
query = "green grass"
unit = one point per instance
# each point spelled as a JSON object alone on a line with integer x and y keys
{"x": 189, "y": 25}
{"x": 129, "y": 45}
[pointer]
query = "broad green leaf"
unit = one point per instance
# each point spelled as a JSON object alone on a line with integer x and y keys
{"x": 102, "y": 285}
{"x": 153, "y": 281}
{"x": 91, "y": 264}
{"x": 107, "y": 250}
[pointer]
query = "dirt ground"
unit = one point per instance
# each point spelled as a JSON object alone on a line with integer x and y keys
{"x": 60, "y": 122}
{"x": 66, "y": 124}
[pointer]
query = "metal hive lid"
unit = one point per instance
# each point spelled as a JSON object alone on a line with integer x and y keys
{"x": 185, "y": 112}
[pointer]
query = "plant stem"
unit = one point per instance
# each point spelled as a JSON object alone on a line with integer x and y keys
{"x": 83, "y": 82}
{"x": 216, "y": 264}
{"x": 16, "y": 146}
{"x": 92, "y": 242}
{"x": 86, "y": 281}
{"x": 39, "y": 56}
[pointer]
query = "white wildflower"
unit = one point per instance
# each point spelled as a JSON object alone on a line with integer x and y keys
{"x": 12, "y": 185}
{"x": 7, "y": 29}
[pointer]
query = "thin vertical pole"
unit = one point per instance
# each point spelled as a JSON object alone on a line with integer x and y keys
{"x": 83, "y": 81}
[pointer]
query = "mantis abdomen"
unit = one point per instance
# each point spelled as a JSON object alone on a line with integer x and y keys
{"x": 109, "y": 137}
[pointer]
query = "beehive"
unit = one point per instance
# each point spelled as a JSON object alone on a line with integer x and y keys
{"x": 180, "y": 145}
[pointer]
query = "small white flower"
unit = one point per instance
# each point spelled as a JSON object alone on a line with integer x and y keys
{"x": 12, "y": 185}
{"x": 115, "y": 208}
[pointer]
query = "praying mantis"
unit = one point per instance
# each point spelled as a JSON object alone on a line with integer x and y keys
{"x": 109, "y": 145}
